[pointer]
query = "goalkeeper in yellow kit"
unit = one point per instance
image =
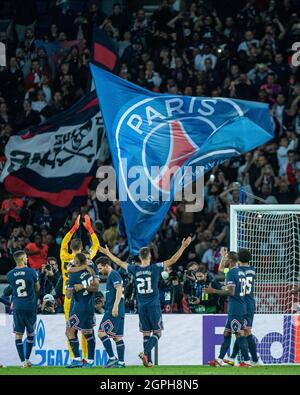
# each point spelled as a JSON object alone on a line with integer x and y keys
{"x": 66, "y": 260}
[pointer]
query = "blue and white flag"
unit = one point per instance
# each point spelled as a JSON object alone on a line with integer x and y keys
{"x": 149, "y": 131}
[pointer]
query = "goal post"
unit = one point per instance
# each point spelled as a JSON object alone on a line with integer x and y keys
{"x": 272, "y": 235}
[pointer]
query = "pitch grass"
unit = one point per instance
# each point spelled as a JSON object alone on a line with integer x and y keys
{"x": 157, "y": 370}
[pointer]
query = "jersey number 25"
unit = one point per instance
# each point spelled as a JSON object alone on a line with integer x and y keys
{"x": 246, "y": 286}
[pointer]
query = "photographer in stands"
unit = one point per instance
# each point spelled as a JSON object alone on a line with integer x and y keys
{"x": 189, "y": 277}
{"x": 50, "y": 279}
{"x": 200, "y": 302}
{"x": 99, "y": 303}
{"x": 49, "y": 305}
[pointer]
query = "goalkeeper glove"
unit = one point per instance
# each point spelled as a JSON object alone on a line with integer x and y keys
{"x": 76, "y": 225}
{"x": 87, "y": 224}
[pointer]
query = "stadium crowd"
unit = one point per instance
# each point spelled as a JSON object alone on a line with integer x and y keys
{"x": 230, "y": 49}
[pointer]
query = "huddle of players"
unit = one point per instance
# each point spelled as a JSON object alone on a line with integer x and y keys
{"x": 81, "y": 281}
{"x": 239, "y": 287}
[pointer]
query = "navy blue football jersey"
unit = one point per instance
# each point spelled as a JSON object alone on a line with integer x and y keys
{"x": 237, "y": 303}
{"x": 250, "y": 287}
{"x": 146, "y": 279}
{"x": 22, "y": 281}
{"x": 114, "y": 279}
{"x": 82, "y": 300}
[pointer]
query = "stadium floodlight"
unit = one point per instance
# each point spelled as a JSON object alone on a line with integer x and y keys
{"x": 272, "y": 234}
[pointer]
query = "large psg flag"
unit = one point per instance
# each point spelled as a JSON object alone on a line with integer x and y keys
{"x": 149, "y": 131}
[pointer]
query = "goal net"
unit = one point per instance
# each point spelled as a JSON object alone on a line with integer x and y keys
{"x": 272, "y": 234}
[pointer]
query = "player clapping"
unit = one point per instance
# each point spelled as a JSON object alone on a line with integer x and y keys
{"x": 81, "y": 288}
{"x": 67, "y": 259}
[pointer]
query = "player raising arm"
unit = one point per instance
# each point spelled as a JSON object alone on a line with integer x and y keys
{"x": 146, "y": 277}
{"x": 166, "y": 264}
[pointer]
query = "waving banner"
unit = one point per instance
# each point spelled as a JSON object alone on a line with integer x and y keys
{"x": 55, "y": 161}
{"x": 149, "y": 131}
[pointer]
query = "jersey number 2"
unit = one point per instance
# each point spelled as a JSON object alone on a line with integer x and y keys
{"x": 21, "y": 290}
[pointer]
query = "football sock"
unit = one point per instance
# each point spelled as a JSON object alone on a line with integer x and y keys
{"x": 225, "y": 346}
{"x": 91, "y": 344}
{"x": 70, "y": 349}
{"x": 120, "y": 350}
{"x": 108, "y": 346}
{"x": 84, "y": 347}
{"x": 252, "y": 347}
{"x": 236, "y": 349}
{"x": 20, "y": 349}
{"x": 74, "y": 343}
{"x": 29, "y": 345}
{"x": 244, "y": 348}
{"x": 145, "y": 341}
{"x": 151, "y": 344}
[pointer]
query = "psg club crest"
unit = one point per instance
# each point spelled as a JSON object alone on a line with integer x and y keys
{"x": 168, "y": 133}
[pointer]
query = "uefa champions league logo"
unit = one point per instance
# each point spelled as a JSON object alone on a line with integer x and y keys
{"x": 40, "y": 334}
{"x": 166, "y": 164}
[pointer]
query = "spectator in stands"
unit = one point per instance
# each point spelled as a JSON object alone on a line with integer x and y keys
{"x": 110, "y": 235}
{"x": 118, "y": 19}
{"x": 282, "y": 153}
{"x": 37, "y": 253}
{"x": 25, "y": 17}
{"x": 11, "y": 210}
{"x": 28, "y": 117}
{"x": 99, "y": 303}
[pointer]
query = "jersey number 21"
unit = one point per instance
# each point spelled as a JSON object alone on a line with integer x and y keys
{"x": 144, "y": 285}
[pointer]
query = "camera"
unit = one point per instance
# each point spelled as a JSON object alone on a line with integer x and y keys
{"x": 192, "y": 299}
{"x": 49, "y": 304}
{"x": 48, "y": 267}
{"x": 99, "y": 299}
{"x": 191, "y": 275}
